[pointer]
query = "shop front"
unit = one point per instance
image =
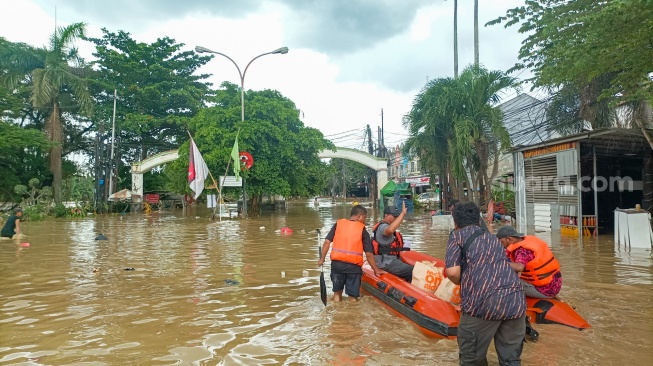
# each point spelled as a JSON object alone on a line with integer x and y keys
{"x": 575, "y": 183}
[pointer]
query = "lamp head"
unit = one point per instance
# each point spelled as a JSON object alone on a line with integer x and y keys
{"x": 282, "y": 50}
{"x": 200, "y": 49}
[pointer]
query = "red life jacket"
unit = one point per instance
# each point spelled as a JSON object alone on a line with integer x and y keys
{"x": 540, "y": 270}
{"x": 348, "y": 242}
{"x": 393, "y": 248}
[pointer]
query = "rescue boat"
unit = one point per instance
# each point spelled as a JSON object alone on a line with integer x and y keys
{"x": 439, "y": 318}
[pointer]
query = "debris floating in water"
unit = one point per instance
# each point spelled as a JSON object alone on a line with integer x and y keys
{"x": 229, "y": 281}
{"x": 101, "y": 237}
{"x": 262, "y": 228}
{"x": 283, "y": 274}
{"x": 305, "y": 273}
{"x": 130, "y": 269}
{"x": 24, "y": 245}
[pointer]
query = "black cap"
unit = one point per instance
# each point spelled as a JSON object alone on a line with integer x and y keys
{"x": 507, "y": 231}
{"x": 391, "y": 210}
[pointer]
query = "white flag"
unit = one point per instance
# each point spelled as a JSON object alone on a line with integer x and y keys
{"x": 197, "y": 170}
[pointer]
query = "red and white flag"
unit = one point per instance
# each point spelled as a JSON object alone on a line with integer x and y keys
{"x": 197, "y": 170}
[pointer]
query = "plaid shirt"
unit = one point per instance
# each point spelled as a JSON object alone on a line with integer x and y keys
{"x": 489, "y": 288}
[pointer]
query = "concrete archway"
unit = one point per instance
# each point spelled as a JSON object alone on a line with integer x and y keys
{"x": 144, "y": 166}
{"x": 380, "y": 165}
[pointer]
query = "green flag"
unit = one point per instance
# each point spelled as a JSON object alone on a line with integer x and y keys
{"x": 235, "y": 155}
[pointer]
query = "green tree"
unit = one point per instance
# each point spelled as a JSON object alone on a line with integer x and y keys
{"x": 285, "y": 151}
{"x": 56, "y": 78}
{"x": 344, "y": 175}
{"x": 158, "y": 92}
{"x": 456, "y": 127}
{"x": 21, "y": 157}
{"x": 579, "y": 41}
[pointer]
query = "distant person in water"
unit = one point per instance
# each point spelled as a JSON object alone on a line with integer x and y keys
{"x": 12, "y": 226}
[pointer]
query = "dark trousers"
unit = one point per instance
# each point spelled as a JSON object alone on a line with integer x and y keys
{"x": 395, "y": 266}
{"x": 475, "y": 335}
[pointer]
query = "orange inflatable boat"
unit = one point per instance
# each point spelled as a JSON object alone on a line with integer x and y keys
{"x": 439, "y": 318}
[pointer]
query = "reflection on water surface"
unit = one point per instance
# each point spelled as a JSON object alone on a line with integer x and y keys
{"x": 232, "y": 292}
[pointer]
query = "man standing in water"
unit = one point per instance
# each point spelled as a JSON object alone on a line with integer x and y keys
{"x": 350, "y": 239}
{"x": 493, "y": 304}
{"x": 12, "y": 226}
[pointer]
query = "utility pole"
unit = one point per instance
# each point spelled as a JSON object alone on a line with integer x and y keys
{"x": 97, "y": 171}
{"x": 370, "y": 149}
{"x": 344, "y": 183}
{"x": 113, "y": 138}
{"x": 382, "y": 134}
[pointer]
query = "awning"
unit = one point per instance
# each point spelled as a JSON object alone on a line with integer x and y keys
{"x": 388, "y": 189}
{"x": 403, "y": 188}
{"x": 123, "y": 195}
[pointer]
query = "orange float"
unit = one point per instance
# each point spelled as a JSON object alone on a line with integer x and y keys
{"x": 439, "y": 318}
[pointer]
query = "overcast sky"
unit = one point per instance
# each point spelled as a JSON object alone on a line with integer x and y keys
{"x": 347, "y": 60}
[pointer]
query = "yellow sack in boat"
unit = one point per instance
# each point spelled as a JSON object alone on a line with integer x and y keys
{"x": 448, "y": 291}
{"x": 426, "y": 276}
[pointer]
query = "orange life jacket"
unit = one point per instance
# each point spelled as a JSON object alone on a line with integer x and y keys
{"x": 540, "y": 270}
{"x": 348, "y": 242}
{"x": 393, "y": 248}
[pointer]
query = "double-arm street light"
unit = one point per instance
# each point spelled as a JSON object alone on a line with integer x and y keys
{"x": 282, "y": 51}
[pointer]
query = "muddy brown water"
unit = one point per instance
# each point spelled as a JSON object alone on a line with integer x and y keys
{"x": 232, "y": 293}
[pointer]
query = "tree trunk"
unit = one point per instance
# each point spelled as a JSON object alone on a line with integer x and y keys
{"x": 455, "y": 39}
{"x": 54, "y": 131}
{"x": 495, "y": 171}
{"x": 476, "y": 58}
{"x": 254, "y": 205}
{"x": 443, "y": 179}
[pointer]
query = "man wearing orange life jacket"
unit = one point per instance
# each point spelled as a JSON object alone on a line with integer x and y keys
{"x": 388, "y": 243}
{"x": 531, "y": 257}
{"x": 350, "y": 240}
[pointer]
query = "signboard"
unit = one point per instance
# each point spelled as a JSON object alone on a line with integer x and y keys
{"x": 230, "y": 181}
{"x": 246, "y": 159}
{"x": 418, "y": 181}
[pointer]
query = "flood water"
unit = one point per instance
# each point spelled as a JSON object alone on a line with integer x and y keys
{"x": 204, "y": 292}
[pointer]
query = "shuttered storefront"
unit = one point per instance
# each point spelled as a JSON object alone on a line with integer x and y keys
{"x": 541, "y": 173}
{"x": 551, "y": 188}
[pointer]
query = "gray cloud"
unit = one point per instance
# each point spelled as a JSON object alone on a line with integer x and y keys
{"x": 341, "y": 26}
{"x": 404, "y": 66}
{"x": 368, "y": 39}
{"x": 330, "y": 26}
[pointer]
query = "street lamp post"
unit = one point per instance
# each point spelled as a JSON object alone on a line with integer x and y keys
{"x": 282, "y": 51}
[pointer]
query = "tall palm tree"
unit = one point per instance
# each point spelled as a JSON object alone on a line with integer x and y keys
{"x": 476, "y": 57}
{"x": 55, "y": 72}
{"x": 456, "y": 126}
{"x": 455, "y": 39}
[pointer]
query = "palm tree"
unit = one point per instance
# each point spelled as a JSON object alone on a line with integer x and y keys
{"x": 456, "y": 125}
{"x": 476, "y": 58}
{"x": 455, "y": 39}
{"x": 55, "y": 73}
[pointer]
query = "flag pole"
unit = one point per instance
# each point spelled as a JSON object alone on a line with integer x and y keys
{"x": 211, "y": 175}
